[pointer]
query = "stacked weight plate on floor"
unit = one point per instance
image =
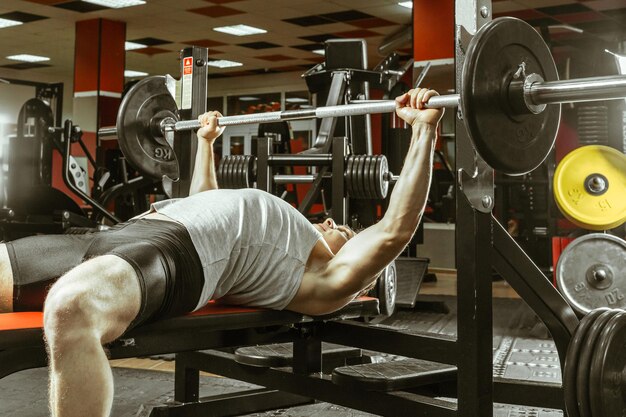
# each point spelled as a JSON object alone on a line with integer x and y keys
{"x": 594, "y": 378}
{"x": 366, "y": 176}
{"x": 236, "y": 171}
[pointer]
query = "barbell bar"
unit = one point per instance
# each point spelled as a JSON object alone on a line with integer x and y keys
{"x": 538, "y": 93}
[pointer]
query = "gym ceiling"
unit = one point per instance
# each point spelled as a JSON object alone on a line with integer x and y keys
{"x": 295, "y": 28}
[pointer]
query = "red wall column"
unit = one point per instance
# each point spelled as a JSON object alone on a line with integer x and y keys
{"x": 99, "y": 61}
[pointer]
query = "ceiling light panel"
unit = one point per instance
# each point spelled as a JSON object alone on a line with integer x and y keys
{"x": 116, "y": 4}
{"x": 407, "y": 4}
{"x": 240, "y": 30}
{"x": 5, "y": 23}
{"x": 224, "y": 63}
{"x": 131, "y": 46}
{"x": 28, "y": 58}
{"x": 131, "y": 73}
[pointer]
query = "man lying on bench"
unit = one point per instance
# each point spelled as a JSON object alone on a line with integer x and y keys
{"x": 243, "y": 247}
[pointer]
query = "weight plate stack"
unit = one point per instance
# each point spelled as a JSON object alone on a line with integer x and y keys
{"x": 589, "y": 187}
{"x": 607, "y": 377}
{"x": 572, "y": 359}
{"x": 584, "y": 363}
{"x": 594, "y": 376}
{"x": 591, "y": 272}
{"x": 366, "y": 176}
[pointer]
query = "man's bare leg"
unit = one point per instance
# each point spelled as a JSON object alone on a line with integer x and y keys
{"x": 6, "y": 281}
{"x": 91, "y": 305}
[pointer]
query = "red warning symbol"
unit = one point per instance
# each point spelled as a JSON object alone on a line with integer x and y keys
{"x": 187, "y": 62}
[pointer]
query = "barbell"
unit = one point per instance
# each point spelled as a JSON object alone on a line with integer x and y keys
{"x": 508, "y": 101}
{"x": 365, "y": 176}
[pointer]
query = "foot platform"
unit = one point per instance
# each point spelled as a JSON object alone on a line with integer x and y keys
{"x": 281, "y": 354}
{"x": 393, "y": 376}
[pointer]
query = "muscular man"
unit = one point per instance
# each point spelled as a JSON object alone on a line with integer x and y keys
{"x": 243, "y": 247}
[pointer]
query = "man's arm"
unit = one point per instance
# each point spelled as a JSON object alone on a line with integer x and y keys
{"x": 203, "y": 178}
{"x": 363, "y": 257}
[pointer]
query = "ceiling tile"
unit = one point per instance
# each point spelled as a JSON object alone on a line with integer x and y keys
{"x": 346, "y": 15}
{"x": 150, "y": 41}
{"x": 80, "y": 6}
{"x": 276, "y": 57}
{"x": 543, "y": 21}
{"x": 205, "y": 43}
{"x": 25, "y": 65}
{"x": 564, "y": 9}
{"x": 151, "y": 50}
{"x": 216, "y": 11}
{"x": 22, "y": 17}
{"x": 372, "y": 22}
{"x": 580, "y": 17}
{"x": 259, "y": 45}
{"x": 308, "y": 21}
{"x": 362, "y": 33}
{"x": 605, "y": 4}
{"x": 46, "y": 2}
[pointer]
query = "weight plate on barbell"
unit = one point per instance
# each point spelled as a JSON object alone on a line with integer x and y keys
{"x": 591, "y": 272}
{"x": 237, "y": 172}
{"x": 375, "y": 183}
{"x": 229, "y": 172}
{"x": 590, "y": 187}
{"x": 584, "y": 364}
{"x": 387, "y": 290}
{"x": 512, "y": 143}
{"x": 348, "y": 176}
{"x": 607, "y": 378}
{"x": 383, "y": 175}
{"x": 572, "y": 359}
{"x": 367, "y": 176}
{"x": 220, "y": 173}
{"x": 138, "y": 133}
{"x": 360, "y": 192}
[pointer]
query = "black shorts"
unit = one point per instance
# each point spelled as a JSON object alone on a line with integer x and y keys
{"x": 161, "y": 252}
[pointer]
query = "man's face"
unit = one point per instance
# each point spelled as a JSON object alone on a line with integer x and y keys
{"x": 335, "y": 236}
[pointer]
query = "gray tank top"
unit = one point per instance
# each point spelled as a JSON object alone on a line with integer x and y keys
{"x": 253, "y": 246}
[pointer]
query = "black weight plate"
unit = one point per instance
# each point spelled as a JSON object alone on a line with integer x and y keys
{"x": 241, "y": 172}
{"x": 359, "y": 176}
{"x": 584, "y": 364}
{"x": 220, "y": 172}
{"x": 512, "y": 143}
{"x": 148, "y": 152}
{"x": 608, "y": 370}
{"x": 355, "y": 176}
{"x": 247, "y": 167}
{"x": 233, "y": 173}
{"x": 365, "y": 177}
{"x": 572, "y": 359}
{"x": 379, "y": 186}
{"x": 229, "y": 172}
{"x": 348, "y": 176}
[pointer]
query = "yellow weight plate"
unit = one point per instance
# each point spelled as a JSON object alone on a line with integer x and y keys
{"x": 590, "y": 187}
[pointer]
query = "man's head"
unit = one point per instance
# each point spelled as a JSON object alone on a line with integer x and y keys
{"x": 335, "y": 236}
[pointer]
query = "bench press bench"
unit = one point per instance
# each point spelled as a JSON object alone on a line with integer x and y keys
{"x": 213, "y": 326}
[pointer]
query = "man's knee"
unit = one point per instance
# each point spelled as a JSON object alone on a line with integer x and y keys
{"x": 95, "y": 299}
{"x": 67, "y": 315}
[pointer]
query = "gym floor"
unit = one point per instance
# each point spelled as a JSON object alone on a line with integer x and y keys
{"x": 143, "y": 383}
